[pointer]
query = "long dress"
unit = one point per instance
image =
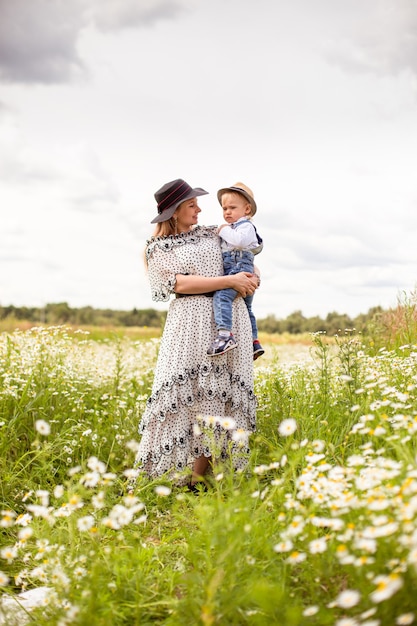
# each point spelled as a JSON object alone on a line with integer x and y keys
{"x": 199, "y": 405}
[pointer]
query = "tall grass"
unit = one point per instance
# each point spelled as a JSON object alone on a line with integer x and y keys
{"x": 396, "y": 328}
{"x": 320, "y": 528}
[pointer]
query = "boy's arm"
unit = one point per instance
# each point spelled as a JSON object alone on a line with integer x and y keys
{"x": 242, "y": 236}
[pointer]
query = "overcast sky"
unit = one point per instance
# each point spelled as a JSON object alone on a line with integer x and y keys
{"x": 311, "y": 103}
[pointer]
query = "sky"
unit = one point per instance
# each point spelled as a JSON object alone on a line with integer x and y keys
{"x": 310, "y": 103}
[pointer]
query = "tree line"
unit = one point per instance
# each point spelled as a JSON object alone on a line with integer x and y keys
{"x": 61, "y": 313}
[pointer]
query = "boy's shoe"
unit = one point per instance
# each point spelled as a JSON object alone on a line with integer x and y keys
{"x": 257, "y": 350}
{"x": 221, "y": 345}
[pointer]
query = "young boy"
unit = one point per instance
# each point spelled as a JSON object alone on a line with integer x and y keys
{"x": 239, "y": 243}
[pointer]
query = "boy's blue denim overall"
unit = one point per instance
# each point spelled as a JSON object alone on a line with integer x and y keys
{"x": 234, "y": 261}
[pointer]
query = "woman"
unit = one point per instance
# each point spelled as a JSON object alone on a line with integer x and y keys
{"x": 185, "y": 260}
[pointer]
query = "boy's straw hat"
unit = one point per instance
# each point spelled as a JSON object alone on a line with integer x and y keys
{"x": 243, "y": 190}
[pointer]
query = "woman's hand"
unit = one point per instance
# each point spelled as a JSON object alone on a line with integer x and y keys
{"x": 244, "y": 283}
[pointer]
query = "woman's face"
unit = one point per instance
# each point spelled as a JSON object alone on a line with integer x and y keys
{"x": 187, "y": 215}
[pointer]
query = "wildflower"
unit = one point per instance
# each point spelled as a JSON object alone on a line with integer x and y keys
{"x": 85, "y": 523}
{"x": 131, "y": 500}
{"x": 58, "y": 577}
{"x": 42, "y": 427}
{"x": 314, "y": 458}
{"x": 25, "y": 533}
{"x": 4, "y": 580}
{"x": 98, "y": 500}
{"x": 122, "y": 515}
{"x": 132, "y": 445}
{"x": 95, "y": 465}
{"x": 362, "y": 543}
{"x": 296, "y": 557}
{"x": 309, "y": 611}
{"x": 379, "y": 430}
{"x": 386, "y": 587}
{"x": 162, "y": 490}
{"x": 405, "y": 619}
{"x": 380, "y": 531}
{"x": 318, "y": 445}
{"x": 228, "y": 423}
{"x": 39, "y": 572}
{"x": 196, "y": 430}
{"x": 241, "y": 436}
{"x": 287, "y": 427}
{"x": 348, "y": 598}
{"x": 90, "y": 479}
{"x": 345, "y": 378}
{"x": 38, "y": 510}
{"x": 328, "y": 522}
{"x": 64, "y": 511}
{"x": 58, "y": 491}
{"x": 110, "y": 523}
{"x": 355, "y": 460}
{"x": 8, "y": 519}
{"x": 75, "y": 502}
{"x": 412, "y": 556}
{"x": 74, "y": 470}
{"x": 210, "y": 420}
{"x": 80, "y": 572}
{"x": 347, "y": 621}
{"x": 296, "y": 526}
{"x": 108, "y": 478}
{"x": 131, "y": 474}
{"x": 318, "y": 545}
{"x": 368, "y": 613}
{"x": 284, "y": 546}
{"x": 43, "y": 495}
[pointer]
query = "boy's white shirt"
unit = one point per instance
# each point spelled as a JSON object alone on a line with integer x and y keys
{"x": 242, "y": 237}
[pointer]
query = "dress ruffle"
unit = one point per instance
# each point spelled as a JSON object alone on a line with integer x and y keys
{"x": 182, "y": 398}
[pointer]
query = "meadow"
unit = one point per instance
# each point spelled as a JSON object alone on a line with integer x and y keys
{"x": 320, "y": 529}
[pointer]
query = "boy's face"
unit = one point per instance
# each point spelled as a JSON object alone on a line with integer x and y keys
{"x": 234, "y": 207}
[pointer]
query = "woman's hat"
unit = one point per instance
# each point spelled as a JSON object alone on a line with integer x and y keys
{"x": 243, "y": 190}
{"x": 170, "y": 196}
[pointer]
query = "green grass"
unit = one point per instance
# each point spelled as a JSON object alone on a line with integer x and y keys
{"x": 320, "y": 528}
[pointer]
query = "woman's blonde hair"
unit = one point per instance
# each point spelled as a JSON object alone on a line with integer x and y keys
{"x": 164, "y": 229}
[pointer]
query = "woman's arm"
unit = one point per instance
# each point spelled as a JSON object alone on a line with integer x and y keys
{"x": 243, "y": 282}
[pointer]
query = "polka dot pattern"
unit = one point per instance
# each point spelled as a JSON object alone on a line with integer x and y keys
{"x": 187, "y": 383}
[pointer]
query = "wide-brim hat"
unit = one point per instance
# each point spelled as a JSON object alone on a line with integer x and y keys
{"x": 170, "y": 196}
{"x": 243, "y": 190}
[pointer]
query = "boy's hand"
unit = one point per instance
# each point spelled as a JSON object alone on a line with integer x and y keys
{"x": 221, "y": 226}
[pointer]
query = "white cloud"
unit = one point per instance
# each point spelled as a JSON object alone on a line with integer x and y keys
{"x": 110, "y": 15}
{"x": 378, "y": 36}
{"x": 312, "y": 104}
{"x": 39, "y": 40}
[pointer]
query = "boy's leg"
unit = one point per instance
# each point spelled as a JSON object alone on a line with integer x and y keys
{"x": 248, "y": 302}
{"x": 257, "y": 348}
{"x": 222, "y": 308}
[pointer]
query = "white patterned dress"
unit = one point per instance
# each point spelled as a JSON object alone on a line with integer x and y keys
{"x": 188, "y": 384}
